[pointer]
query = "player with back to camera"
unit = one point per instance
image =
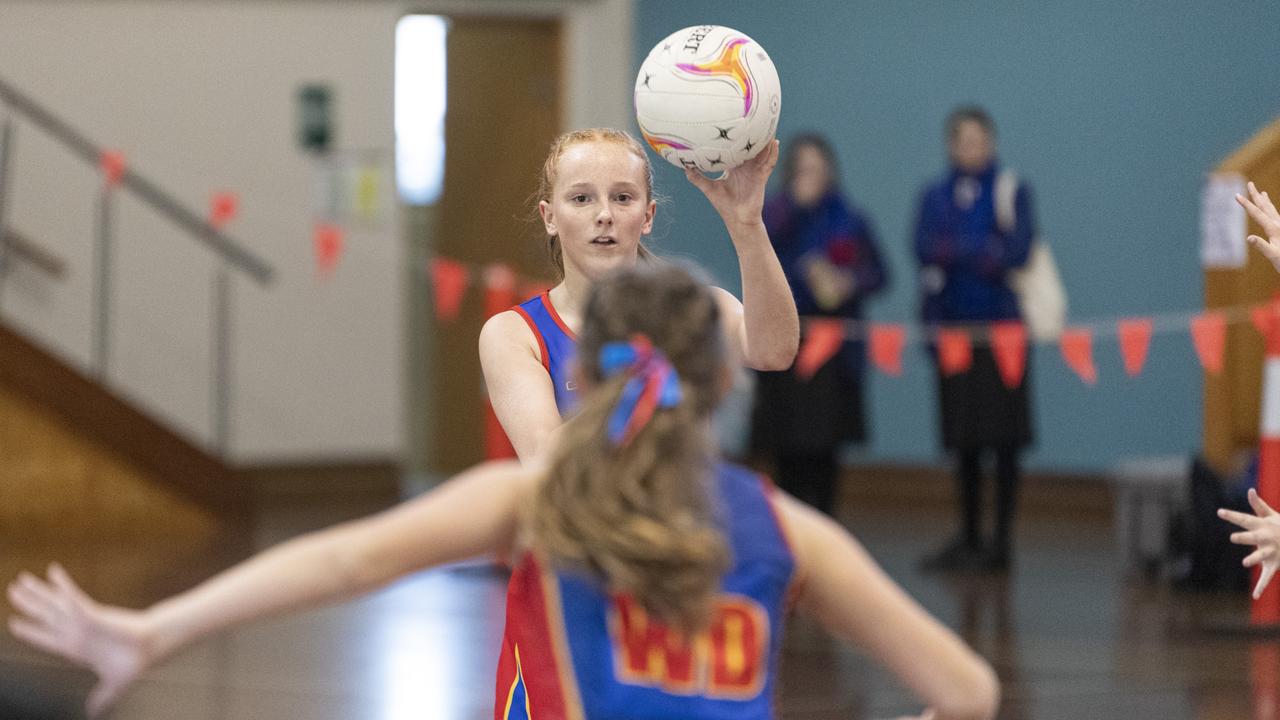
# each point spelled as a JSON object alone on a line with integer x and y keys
{"x": 596, "y": 202}
{"x": 650, "y": 578}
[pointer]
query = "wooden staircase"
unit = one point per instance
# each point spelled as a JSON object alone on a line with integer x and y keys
{"x": 77, "y": 461}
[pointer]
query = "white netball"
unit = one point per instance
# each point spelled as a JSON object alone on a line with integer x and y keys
{"x": 708, "y": 97}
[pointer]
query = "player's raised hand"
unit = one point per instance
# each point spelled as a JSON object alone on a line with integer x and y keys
{"x": 1261, "y": 530}
{"x": 56, "y": 616}
{"x": 738, "y": 195}
{"x": 1259, "y": 206}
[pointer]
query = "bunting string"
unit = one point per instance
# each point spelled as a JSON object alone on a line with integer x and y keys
{"x": 1009, "y": 342}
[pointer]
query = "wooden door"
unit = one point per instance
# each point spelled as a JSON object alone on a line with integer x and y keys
{"x": 504, "y": 100}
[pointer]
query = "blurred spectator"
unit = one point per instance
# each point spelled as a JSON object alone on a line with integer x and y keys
{"x": 828, "y": 252}
{"x": 966, "y": 257}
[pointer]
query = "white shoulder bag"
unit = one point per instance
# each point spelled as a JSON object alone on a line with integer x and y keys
{"x": 1041, "y": 296}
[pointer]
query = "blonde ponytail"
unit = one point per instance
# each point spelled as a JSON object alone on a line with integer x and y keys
{"x": 642, "y": 514}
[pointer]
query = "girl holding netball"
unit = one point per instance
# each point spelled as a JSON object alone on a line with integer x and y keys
{"x": 596, "y": 202}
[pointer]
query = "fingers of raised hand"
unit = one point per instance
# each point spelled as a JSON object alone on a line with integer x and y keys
{"x": 1243, "y": 538}
{"x": 1261, "y": 554}
{"x": 38, "y": 635}
{"x": 766, "y": 159}
{"x": 62, "y": 580}
{"x": 1262, "y": 209}
{"x": 1258, "y": 197}
{"x": 1265, "y": 215}
{"x": 1244, "y": 520}
{"x": 1254, "y": 211}
{"x": 36, "y": 598}
{"x": 1259, "y": 505}
{"x": 1269, "y": 250}
{"x": 1264, "y": 579}
{"x": 1261, "y": 534}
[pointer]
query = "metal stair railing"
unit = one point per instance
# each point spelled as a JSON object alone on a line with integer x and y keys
{"x": 234, "y": 255}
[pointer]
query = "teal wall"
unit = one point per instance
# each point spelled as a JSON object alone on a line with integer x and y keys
{"x": 1112, "y": 111}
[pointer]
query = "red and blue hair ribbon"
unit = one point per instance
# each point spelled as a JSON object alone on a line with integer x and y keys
{"x": 652, "y": 383}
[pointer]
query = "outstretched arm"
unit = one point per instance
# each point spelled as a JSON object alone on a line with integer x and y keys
{"x": 1263, "y": 212}
{"x": 845, "y": 589}
{"x": 468, "y": 516}
{"x": 1261, "y": 530}
{"x": 767, "y": 328}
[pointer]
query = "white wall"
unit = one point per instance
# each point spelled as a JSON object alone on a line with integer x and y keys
{"x": 201, "y": 96}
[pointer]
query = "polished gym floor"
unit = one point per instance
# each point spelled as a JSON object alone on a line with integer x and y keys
{"x": 1071, "y": 631}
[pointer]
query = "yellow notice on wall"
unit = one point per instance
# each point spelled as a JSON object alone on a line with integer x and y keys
{"x": 352, "y": 188}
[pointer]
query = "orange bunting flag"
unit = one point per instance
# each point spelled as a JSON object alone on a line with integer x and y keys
{"x": 1209, "y": 334}
{"x": 499, "y": 289}
{"x": 449, "y": 278}
{"x": 328, "y": 246}
{"x": 223, "y": 207}
{"x": 1135, "y": 341}
{"x": 1009, "y": 345}
{"x": 955, "y": 352}
{"x": 1077, "y": 350}
{"x": 822, "y": 340}
{"x": 886, "y": 348}
{"x": 112, "y": 165}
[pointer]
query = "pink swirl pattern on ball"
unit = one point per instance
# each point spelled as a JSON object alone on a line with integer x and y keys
{"x": 661, "y": 144}
{"x": 728, "y": 63}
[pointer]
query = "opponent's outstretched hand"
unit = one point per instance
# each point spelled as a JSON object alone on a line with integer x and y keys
{"x": 56, "y": 616}
{"x": 1261, "y": 530}
{"x": 1263, "y": 212}
{"x": 738, "y": 195}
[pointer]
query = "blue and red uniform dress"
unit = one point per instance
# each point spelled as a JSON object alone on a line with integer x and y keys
{"x": 573, "y": 650}
{"x": 556, "y": 346}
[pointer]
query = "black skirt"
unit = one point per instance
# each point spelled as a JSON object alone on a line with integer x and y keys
{"x": 977, "y": 410}
{"x": 793, "y": 416}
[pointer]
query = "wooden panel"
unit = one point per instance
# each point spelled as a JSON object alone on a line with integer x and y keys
{"x": 1232, "y": 401}
{"x": 503, "y": 111}
{"x": 94, "y": 414}
{"x": 53, "y": 481}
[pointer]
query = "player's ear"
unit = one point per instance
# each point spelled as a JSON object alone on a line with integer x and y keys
{"x": 548, "y": 217}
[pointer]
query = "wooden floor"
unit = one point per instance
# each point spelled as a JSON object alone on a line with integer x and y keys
{"x": 1070, "y": 633}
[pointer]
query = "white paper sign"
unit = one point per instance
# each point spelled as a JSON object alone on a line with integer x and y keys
{"x": 1222, "y": 223}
